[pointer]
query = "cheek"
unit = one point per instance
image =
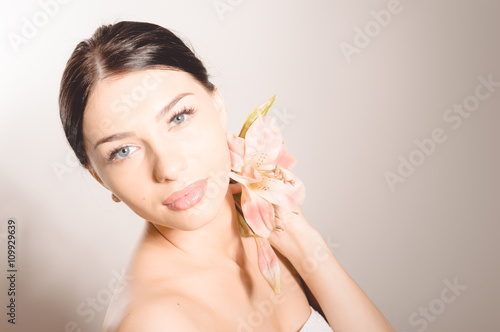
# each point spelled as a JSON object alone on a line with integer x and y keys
{"x": 217, "y": 151}
{"x": 208, "y": 145}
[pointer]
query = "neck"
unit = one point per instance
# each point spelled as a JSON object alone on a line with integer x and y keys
{"x": 219, "y": 239}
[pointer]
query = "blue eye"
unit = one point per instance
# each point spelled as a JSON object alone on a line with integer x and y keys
{"x": 121, "y": 153}
{"x": 124, "y": 152}
{"x": 181, "y": 116}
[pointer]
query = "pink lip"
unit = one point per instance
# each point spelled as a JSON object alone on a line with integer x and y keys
{"x": 187, "y": 197}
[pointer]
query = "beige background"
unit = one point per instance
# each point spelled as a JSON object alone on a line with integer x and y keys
{"x": 350, "y": 120}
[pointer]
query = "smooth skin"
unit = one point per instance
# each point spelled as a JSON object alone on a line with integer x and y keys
{"x": 191, "y": 269}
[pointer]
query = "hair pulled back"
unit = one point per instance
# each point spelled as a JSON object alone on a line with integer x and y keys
{"x": 112, "y": 50}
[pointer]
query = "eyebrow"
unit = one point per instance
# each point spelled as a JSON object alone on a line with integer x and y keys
{"x": 158, "y": 117}
{"x": 172, "y": 103}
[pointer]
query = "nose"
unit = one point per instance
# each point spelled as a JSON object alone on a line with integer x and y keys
{"x": 169, "y": 161}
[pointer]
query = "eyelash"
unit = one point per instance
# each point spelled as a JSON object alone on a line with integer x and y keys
{"x": 113, "y": 152}
{"x": 185, "y": 110}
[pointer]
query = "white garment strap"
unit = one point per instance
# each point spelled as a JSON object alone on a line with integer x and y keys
{"x": 316, "y": 323}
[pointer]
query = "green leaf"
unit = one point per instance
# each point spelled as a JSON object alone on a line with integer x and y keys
{"x": 262, "y": 109}
{"x": 245, "y": 231}
{"x": 243, "y": 227}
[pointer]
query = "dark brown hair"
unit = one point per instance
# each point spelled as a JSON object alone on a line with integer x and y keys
{"x": 116, "y": 49}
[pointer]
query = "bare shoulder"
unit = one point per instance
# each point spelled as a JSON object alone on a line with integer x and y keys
{"x": 158, "y": 315}
{"x": 151, "y": 307}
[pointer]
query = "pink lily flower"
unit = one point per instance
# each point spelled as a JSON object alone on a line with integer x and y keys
{"x": 261, "y": 164}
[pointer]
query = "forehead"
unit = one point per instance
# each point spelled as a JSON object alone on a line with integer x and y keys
{"x": 117, "y": 103}
{"x": 119, "y": 98}
{"x": 134, "y": 87}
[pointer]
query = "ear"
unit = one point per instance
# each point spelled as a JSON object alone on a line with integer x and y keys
{"x": 220, "y": 105}
{"x": 94, "y": 174}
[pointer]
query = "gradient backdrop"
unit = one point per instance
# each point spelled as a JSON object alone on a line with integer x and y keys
{"x": 390, "y": 107}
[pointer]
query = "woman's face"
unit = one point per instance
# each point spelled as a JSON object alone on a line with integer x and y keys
{"x": 151, "y": 133}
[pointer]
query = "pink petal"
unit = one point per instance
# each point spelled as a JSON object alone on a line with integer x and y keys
{"x": 279, "y": 193}
{"x": 263, "y": 143}
{"x": 268, "y": 264}
{"x": 247, "y": 175}
{"x": 236, "y": 147}
{"x": 258, "y": 213}
{"x": 285, "y": 160}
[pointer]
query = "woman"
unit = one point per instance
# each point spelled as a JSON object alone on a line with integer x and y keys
{"x": 140, "y": 113}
